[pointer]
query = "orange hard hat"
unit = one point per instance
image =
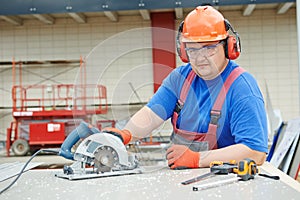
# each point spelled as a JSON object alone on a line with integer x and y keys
{"x": 204, "y": 24}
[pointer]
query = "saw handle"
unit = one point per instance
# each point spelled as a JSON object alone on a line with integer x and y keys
{"x": 81, "y": 131}
{"x": 124, "y": 135}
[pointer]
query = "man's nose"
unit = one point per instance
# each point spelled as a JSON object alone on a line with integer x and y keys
{"x": 200, "y": 59}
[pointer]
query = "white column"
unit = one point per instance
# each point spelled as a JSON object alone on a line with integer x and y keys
{"x": 298, "y": 38}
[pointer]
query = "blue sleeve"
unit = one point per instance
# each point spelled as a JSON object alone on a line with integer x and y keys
{"x": 164, "y": 100}
{"x": 248, "y": 121}
{"x": 163, "y": 103}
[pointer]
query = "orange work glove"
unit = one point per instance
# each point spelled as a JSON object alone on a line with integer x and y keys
{"x": 124, "y": 135}
{"x": 180, "y": 156}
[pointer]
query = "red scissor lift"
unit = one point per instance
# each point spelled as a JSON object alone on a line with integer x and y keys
{"x": 45, "y": 114}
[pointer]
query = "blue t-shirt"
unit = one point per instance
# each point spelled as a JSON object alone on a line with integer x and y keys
{"x": 243, "y": 117}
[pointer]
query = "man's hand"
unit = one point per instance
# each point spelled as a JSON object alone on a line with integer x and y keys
{"x": 124, "y": 135}
{"x": 180, "y": 156}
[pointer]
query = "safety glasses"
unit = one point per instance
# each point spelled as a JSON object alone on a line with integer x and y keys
{"x": 206, "y": 51}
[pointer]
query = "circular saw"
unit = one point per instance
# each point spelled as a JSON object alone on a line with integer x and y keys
{"x": 101, "y": 155}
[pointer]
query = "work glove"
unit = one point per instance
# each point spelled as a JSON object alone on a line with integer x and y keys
{"x": 181, "y": 157}
{"x": 124, "y": 134}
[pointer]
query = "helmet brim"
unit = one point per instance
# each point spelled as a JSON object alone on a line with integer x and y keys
{"x": 204, "y": 39}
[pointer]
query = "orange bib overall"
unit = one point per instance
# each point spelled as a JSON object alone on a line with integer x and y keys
{"x": 201, "y": 141}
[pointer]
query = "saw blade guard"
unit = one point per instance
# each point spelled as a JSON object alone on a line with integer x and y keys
{"x": 88, "y": 147}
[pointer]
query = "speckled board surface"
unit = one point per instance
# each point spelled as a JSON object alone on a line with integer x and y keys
{"x": 156, "y": 182}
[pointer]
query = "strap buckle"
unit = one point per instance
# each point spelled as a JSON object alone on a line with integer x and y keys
{"x": 179, "y": 106}
{"x": 215, "y": 116}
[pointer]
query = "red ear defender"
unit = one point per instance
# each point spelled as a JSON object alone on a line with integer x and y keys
{"x": 183, "y": 56}
{"x": 232, "y": 52}
{"x": 180, "y": 47}
{"x": 233, "y": 44}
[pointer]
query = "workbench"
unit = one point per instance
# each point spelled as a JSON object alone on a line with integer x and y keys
{"x": 157, "y": 182}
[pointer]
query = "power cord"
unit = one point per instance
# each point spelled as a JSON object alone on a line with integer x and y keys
{"x": 50, "y": 150}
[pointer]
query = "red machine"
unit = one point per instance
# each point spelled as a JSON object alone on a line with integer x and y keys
{"x": 45, "y": 114}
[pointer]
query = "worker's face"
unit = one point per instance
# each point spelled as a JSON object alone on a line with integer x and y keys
{"x": 207, "y": 59}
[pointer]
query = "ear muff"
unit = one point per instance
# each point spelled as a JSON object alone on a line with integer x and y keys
{"x": 232, "y": 43}
{"x": 180, "y": 47}
{"x": 232, "y": 51}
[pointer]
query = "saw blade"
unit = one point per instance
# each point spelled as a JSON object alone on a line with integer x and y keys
{"x": 106, "y": 158}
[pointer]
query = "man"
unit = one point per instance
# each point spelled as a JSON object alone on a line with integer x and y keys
{"x": 216, "y": 107}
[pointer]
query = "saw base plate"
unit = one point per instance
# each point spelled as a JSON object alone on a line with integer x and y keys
{"x": 89, "y": 173}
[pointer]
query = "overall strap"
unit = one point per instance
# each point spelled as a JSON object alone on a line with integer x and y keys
{"x": 215, "y": 113}
{"x": 184, "y": 90}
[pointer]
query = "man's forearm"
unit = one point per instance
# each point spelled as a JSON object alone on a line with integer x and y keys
{"x": 235, "y": 152}
{"x": 143, "y": 123}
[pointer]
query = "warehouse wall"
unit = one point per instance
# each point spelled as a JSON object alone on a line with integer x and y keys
{"x": 118, "y": 55}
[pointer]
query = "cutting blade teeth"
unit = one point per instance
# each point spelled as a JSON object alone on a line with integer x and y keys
{"x": 106, "y": 158}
